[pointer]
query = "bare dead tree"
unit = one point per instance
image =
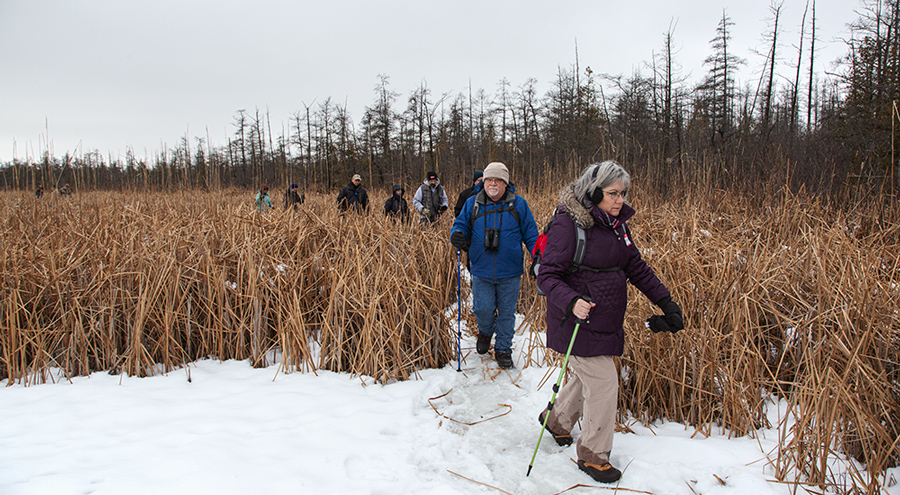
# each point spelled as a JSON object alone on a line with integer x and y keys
{"x": 812, "y": 62}
{"x": 770, "y": 78}
{"x": 796, "y": 87}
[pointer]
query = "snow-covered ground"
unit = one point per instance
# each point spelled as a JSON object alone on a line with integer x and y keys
{"x": 233, "y": 429}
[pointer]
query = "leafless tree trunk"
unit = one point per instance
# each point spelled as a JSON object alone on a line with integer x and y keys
{"x": 812, "y": 60}
{"x": 770, "y": 78}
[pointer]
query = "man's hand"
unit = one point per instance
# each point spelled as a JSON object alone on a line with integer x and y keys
{"x": 458, "y": 239}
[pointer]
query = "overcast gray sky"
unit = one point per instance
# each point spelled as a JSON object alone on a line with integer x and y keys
{"x": 109, "y": 74}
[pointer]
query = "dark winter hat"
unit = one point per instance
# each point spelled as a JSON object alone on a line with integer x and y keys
{"x": 432, "y": 175}
{"x": 477, "y": 175}
{"x": 293, "y": 185}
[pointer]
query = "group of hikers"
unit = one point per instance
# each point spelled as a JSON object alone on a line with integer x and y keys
{"x": 587, "y": 256}
{"x": 292, "y": 198}
{"x": 62, "y": 191}
{"x": 430, "y": 200}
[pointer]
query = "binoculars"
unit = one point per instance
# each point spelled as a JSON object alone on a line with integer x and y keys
{"x": 491, "y": 240}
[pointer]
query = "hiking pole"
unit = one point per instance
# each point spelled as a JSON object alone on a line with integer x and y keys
{"x": 562, "y": 373}
{"x": 458, "y": 315}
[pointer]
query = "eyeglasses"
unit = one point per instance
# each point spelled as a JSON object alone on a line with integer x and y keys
{"x": 492, "y": 180}
{"x": 617, "y": 194}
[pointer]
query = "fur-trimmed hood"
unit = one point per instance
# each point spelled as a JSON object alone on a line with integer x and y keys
{"x": 579, "y": 214}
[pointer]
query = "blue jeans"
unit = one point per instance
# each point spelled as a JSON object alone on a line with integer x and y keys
{"x": 495, "y": 308}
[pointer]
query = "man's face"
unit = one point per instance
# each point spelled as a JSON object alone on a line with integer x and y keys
{"x": 495, "y": 188}
{"x": 356, "y": 182}
{"x": 432, "y": 181}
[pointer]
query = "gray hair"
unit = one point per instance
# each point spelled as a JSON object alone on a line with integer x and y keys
{"x": 599, "y": 175}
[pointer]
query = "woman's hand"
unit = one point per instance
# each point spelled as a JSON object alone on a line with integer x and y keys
{"x": 582, "y": 309}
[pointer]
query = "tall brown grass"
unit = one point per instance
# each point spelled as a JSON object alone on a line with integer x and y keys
{"x": 795, "y": 300}
{"x": 145, "y": 283}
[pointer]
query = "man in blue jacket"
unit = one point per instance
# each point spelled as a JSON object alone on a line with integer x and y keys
{"x": 495, "y": 222}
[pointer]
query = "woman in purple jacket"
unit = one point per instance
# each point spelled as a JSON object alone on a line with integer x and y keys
{"x": 595, "y": 294}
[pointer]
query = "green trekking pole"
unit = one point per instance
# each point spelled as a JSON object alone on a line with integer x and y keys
{"x": 562, "y": 373}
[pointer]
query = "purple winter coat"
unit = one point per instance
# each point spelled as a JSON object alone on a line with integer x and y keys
{"x": 602, "y": 334}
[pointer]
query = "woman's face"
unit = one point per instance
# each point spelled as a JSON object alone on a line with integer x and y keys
{"x": 613, "y": 198}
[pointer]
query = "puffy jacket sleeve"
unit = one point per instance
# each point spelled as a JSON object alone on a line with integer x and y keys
{"x": 462, "y": 223}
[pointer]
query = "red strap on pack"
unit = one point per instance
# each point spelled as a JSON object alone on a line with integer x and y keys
{"x": 539, "y": 245}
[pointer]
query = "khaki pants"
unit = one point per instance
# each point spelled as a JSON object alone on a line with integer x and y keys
{"x": 590, "y": 395}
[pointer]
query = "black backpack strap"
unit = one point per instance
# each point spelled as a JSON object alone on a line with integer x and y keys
{"x": 578, "y": 259}
{"x": 515, "y": 213}
{"x": 509, "y": 201}
{"x": 511, "y": 205}
{"x": 479, "y": 201}
{"x": 601, "y": 270}
{"x": 580, "y": 241}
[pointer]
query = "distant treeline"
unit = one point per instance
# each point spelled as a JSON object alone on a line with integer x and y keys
{"x": 791, "y": 125}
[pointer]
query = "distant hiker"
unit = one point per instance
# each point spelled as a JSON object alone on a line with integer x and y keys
{"x": 596, "y": 203}
{"x": 263, "y": 203}
{"x": 495, "y": 222}
{"x": 353, "y": 196}
{"x": 467, "y": 193}
{"x": 396, "y": 206}
{"x": 292, "y": 199}
{"x": 39, "y": 192}
{"x": 64, "y": 190}
{"x": 430, "y": 199}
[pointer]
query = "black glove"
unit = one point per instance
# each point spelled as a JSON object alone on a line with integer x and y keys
{"x": 458, "y": 239}
{"x": 657, "y": 323}
{"x": 673, "y": 315}
{"x": 443, "y": 208}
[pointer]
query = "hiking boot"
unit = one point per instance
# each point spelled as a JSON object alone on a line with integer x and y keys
{"x": 561, "y": 440}
{"x": 504, "y": 359}
{"x": 483, "y": 343}
{"x": 603, "y": 473}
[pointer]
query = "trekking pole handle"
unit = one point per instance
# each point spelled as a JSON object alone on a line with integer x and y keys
{"x": 588, "y": 300}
